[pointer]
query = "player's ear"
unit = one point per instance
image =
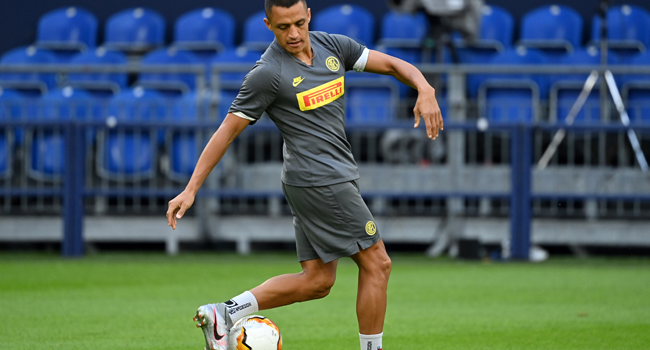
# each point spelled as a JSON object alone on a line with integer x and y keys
{"x": 268, "y": 24}
{"x": 308, "y": 15}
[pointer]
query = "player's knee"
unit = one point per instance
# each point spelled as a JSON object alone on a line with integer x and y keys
{"x": 320, "y": 286}
{"x": 380, "y": 268}
{"x": 385, "y": 266}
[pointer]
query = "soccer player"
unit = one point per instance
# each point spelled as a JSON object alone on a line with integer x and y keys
{"x": 300, "y": 82}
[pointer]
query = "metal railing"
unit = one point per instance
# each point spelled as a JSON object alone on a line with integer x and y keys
{"x": 479, "y": 167}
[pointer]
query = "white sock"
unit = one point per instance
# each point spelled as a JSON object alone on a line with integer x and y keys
{"x": 241, "y": 305}
{"x": 371, "y": 342}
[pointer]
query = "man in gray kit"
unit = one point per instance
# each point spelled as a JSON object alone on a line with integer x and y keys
{"x": 300, "y": 82}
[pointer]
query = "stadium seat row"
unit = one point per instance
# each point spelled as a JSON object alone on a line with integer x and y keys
{"x": 551, "y": 27}
{"x": 121, "y": 154}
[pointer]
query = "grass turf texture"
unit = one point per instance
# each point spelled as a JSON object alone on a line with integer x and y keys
{"x": 146, "y": 301}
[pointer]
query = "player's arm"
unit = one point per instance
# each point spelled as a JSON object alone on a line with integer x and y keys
{"x": 426, "y": 104}
{"x": 231, "y": 127}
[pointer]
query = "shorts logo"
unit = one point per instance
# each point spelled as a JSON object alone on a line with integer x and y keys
{"x": 371, "y": 228}
{"x": 321, "y": 95}
{"x": 333, "y": 64}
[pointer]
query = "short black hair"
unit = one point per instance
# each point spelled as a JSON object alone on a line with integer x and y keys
{"x": 268, "y": 4}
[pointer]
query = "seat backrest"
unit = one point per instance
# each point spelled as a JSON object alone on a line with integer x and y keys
{"x": 68, "y": 27}
{"x": 554, "y": 22}
{"x": 639, "y": 60}
{"x": 396, "y": 25}
{"x": 370, "y": 105}
{"x": 497, "y": 24}
{"x": 189, "y": 107}
{"x": 625, "y": 22}
{"x": 137, "y": 27}
{"x": 240, "y": 55}
{"x": 29, "y": 55}
{"x": 350, "y": 20}
{"x": 67, "y": 103}
{"x": 15, "y": 105}
{"x": 5, "y": 154}
{"x": 205, "y": 26}
{"x": 169, "y": 56}
{"x": 11, "y": 105}
{"x": 515, "y": 56}
{"x": 99, "y": 56}
{"x": 636, "y": 89}
{"x": 137, "y": 103}
{"x": 256, "y": 34}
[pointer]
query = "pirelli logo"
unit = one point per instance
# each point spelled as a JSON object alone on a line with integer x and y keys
{"x": 321, "y": 95}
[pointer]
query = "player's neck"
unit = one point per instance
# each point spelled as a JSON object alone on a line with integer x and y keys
{"x": 306, "y": 55}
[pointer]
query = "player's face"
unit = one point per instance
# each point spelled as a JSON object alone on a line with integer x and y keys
{"x": 290, "y": 26}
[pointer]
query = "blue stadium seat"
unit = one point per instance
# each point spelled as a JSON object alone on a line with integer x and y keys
{"x": 46, "y": 147}
{"x": 30, "y": 55}
{"x": 7, "y": 112}
{"x": 226, "y": 98}
{"x": 207, "y": 29}
{"x": 6, "y": 152}
{"x": 135, "y": 30}
{"x": 256, "y": 35}
{"x": 628, "y": 31}
{"x": 113, "y": 82}
{"x": 403, "y": 30}
{"x": 169, "y": 81}
{"x": 67, "y": 103}
{"x": 241, "y": 55}
{"x": 183, "y": 146}
{"x": 636, "y": 92}
{"x": 497, "y": 30}
{"x": 67, "y": 31}
{"x": 555, "y": 29}
{"x": 130, "y": 154}
{"x": 230, "y": 82}
{"x": 511, "y": 97}
{"x": 565, "y": 88}
{"x": 15, "y": 105}
{"x": 370, "y": 99}
{"x": 402, "y": 35}
{"x": 351, "y": 20}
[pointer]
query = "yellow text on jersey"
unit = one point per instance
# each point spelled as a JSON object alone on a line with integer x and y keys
{"x": 321, "y": 95}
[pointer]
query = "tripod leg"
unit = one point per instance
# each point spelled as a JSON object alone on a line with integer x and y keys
{"x": 625, "y": 119}
{"x": 575, "y": 109}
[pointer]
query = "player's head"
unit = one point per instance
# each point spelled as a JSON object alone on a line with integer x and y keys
{"x": 289, "y": 21}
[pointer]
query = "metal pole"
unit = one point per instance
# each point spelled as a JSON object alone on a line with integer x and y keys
{"x": 520, "y": 204}
{"x": 73, "y": 188}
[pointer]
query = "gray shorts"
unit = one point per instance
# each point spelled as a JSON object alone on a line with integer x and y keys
{"x": 330, "y": 222}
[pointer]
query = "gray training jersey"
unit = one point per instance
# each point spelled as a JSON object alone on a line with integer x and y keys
{"x": 307, "y": 105}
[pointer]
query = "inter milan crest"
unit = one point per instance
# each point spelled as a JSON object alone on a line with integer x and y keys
{"x": 371, "y": 228}
{"x": 333, "y": 64}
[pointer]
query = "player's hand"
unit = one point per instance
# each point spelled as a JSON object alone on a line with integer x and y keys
{"x": 427, "y": 107}
{"x": 178, "y": 206}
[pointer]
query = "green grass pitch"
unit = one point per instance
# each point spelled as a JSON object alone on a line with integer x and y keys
{"x": 146, "y": 301}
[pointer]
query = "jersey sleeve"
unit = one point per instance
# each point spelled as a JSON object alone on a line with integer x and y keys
{"x": 351, "y": 51}
{"x": 257, "y": 92}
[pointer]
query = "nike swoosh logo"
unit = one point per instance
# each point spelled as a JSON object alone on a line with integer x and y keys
{"x": 216, "y": 334}
{"x": 297, "y": 81}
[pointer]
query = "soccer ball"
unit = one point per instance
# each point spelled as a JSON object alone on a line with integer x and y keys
{"x": 255, "y": 333}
